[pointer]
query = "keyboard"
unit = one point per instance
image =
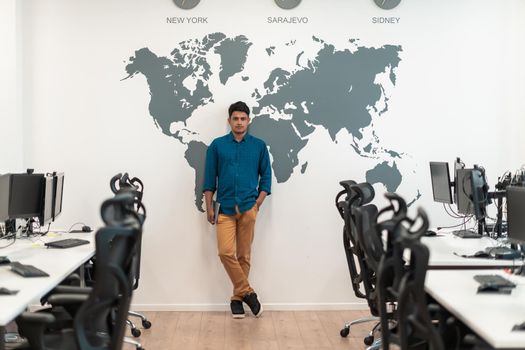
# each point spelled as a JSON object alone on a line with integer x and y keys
{"x": 67, "y": 243}
{"x": 495, "y": 280}
{"x": 27, "y": 270}
{"x": 466, "y": 234}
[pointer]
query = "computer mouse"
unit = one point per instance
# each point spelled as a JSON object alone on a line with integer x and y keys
{"x": 86, "y": 228}
{"x": 4, "y": 260}
{"x": 481, "y": 254}
{"x": 5, "y": 291}
{"x": 430, "y": 233}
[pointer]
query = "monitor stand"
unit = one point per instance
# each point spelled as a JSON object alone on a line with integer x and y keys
{"x": 504, "y": 253}
{"x": 28, "y": 228}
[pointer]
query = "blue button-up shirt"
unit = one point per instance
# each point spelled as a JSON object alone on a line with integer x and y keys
{"x": 238, "y": 171}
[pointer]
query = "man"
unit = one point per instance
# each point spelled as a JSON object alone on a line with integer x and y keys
{"x": 239, "y": 163}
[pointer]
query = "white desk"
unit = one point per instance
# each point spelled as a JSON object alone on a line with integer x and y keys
{"x": 58, "y": 263}
{"x": 491, "y": 316}
{"x": 443, "y": 246}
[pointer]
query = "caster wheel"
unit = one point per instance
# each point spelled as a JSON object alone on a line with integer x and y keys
{"x": 136, "y": 332}
{"x": 369, "y": 340}
{"x": 344, "y": 332}
{"x": 146, "y": 324}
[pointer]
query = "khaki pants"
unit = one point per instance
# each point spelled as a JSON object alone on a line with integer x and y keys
{"x": 234, "y": 240}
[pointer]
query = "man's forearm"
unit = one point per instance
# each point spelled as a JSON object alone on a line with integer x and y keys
{"x": 208, "y": 197}
{"x": 262, "y": 196}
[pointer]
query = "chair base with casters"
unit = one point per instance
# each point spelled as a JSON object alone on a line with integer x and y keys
{"x": 145, "y": 322}
{"x": 346, "y": 330}
{"x": 376, "y": 345}
{"x": 370, "y": 338}
{"x": 134, "y": 330}
{"x": 133, "y": 342}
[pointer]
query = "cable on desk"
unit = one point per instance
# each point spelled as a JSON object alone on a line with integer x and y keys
{"x": 76, "y": 223}
{"x": 7, "y": 237}
{"x": 452, "y": 213}
{"x": 39, "y": 233}
{"x": 461, "y": 224}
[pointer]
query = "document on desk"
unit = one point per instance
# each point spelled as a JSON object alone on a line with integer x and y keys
{"x": 216, "y": 207}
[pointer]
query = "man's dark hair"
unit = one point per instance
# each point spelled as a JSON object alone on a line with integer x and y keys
{"x": 238, "y": 107}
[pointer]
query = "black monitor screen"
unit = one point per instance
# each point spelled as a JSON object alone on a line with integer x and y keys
{"x": 5, "y": 181}
{"x": 47, "y": 206}
{"x": 515, "y": 213}
{"x": 479, "y": 192}
{"x": 59, "y": 190}
{"x": 25, "y": 199}
{"x": 464, "y": 191}
{"x": 440, "y": 182}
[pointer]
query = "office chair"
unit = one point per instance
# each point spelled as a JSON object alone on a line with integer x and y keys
{"x": 100, "y": 321}
{"x": 115, "y": 212}
{"x": 365, "y": 220}
{"x": 356, "y": 195}
{"x": 121, "y": 183}
{"x": 404, "y": 283}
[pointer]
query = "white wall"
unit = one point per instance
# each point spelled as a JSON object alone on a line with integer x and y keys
{"x": 11, "y": 122}
{"x": 458, "y": 91}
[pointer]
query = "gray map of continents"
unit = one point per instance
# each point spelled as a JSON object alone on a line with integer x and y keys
{"x": 335, "y": 89}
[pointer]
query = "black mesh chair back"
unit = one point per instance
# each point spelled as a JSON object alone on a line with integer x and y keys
{"x": 364, "y": 218}
{"x": 391, "y": 264}
{"x": 100, "y": 322}
{"x": 356, "y": 196}
{"x": 415, "y": 325}
{"x": 403, "y": 283}
{"x": 114, "y": 214}
{"x": 349, "y": 240}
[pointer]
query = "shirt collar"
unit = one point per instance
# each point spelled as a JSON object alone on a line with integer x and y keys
{"x": 245, "y": 138}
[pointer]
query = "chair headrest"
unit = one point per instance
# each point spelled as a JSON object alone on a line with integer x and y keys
{"x": 398, "y": 206}
{"x": 365, "y": 193}
{"x": 346, "y": 184}
{"x": 119, "y": 209}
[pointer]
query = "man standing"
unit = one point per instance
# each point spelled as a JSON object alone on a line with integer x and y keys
{"x": 238, "y": 167}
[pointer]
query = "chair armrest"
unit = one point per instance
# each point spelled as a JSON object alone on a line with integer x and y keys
{"x": 67, "y": 299}
{"x": 71, "y": 290}
{"x": 35, "y": 317}
{"x": 65, "y": 290}
{"x": 69, "y": 302}
{"x": 32, "y": 326}
{"x": 74, "y": 277}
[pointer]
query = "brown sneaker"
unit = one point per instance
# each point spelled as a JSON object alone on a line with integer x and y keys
{"x": 237, "y": 309}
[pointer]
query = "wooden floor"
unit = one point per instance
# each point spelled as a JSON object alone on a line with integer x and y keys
{"x": 273, "y": 330}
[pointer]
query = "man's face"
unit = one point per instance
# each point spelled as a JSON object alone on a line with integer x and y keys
{"x": 239, "y": 122}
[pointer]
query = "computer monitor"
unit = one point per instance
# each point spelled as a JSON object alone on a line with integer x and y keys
{"x": 479, "y": 193}
{"x": 515, "y": 211}
{"x": 458, "y": 164}
{"x": 46, "y": 215}
{"x": 464, "y": 191}
{"x": 25, "y": 197}
{"x": 5, "y": 182}
{"x": 59, "y": 192}
{"x": 440, "y": 178}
